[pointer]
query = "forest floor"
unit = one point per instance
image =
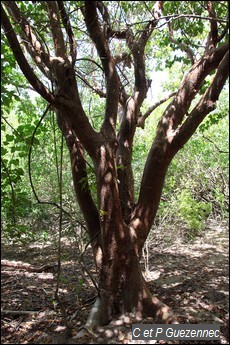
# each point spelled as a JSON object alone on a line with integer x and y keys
{"x": 189, "y": 276}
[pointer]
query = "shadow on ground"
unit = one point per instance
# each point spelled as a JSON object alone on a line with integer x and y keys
{"x": 192, "y": 278}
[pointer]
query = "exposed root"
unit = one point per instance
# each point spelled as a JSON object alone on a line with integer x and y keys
{"x": 98, "y": 316}
{"x": 156, "y": 309}
{"x": 119, "y": 330}
{"x": 153, "y": 307}
{"x": 101, "y": 312}
{"x": 85, "y": 331}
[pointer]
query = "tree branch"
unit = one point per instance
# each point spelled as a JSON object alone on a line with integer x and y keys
{"x": 22, "y": 61}
{"x": 108, "y": 63}
{"x": 171, "y": 17}
{"x": 98, "y": 37}
{"x": 105, "y": 15}
{"x": 169, "y": 139}
{"x": 107, "y": 27}
{"x": 206, "y": 104}
{"x": 141, "y": 119}
{"x": 69, "y": 31}
{"x": 183, "y": 46}
{"x": 15, "y": 131}
{"x": 178, "y": 16}
{"x": 84, "y": 196}
{"x": 216, "y": 147}
{"x": 96, "y": 90}
{"x": 29, "y": 168}
{"x": 18, "y": 312}
{"x": 213, "y": 34}
{"x": 131, "y": 108}
{"x": 91, "y": 60}
{"x": 27, "y": 267}
{"x": 81, "y": 186}
{"x": 31, "y": 42}
{"x": 59, "y": 44}
{"x": 82, "y": 77}
{"x": 138, "y": 47}
{"x": 189, "y": 88}
{"x": 223, "y": 33}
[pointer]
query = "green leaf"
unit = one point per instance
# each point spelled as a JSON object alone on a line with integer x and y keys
{"x": 20, "y": 171}
{"x": 3, "y": 151}
{"x": 9, "y": 137}
{"x": 14, "y": 161}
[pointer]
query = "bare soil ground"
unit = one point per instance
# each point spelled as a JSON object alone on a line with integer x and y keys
{"x": 190, "y": 276}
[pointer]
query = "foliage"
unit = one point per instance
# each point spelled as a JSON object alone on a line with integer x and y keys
{"x": 192, "y": 212}
{"x": 23, "y": 218}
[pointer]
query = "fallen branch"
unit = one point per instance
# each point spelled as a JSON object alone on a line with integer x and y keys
{"x": 27, "y": 267}
{"x": 19, "y": 312}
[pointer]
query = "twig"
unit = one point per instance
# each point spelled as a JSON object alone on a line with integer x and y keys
{"x": 90, "y": 60}
{"x": 220, "y": 151}
{"x": 29, "y": 166}
{"x": 60, "y": 185}
{"x": 8, "y": 282}
{"x": 18, "y": 324}
{"x": 81, "y": 260}
{"x": 96, "y": 90}
{"x": 177, "y": 16}
{"x": 90, "y": 301}
{"x": 142, "y": 118}
{"x": 17, "y": 133}
{"x": 60, "y": 181}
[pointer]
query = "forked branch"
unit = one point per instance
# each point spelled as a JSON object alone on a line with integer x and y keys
{"x": 206, "y": 104}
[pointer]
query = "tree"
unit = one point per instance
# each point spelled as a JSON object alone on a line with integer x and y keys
{"x": 45, "y": 38}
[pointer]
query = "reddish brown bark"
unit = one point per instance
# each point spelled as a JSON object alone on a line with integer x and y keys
{"x": 119, "y": 225}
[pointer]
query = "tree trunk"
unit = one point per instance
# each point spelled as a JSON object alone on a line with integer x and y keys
{"x": 121, "y": 283}
{"x": 117, "y": 237}
{"x": 123, "y": 288}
